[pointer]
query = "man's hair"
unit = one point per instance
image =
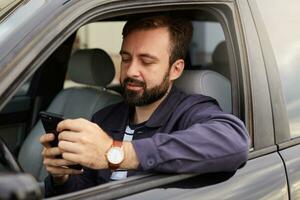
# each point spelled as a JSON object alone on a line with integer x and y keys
{"x": 180, "y": 30}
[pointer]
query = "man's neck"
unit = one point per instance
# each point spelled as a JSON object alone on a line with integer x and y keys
{"x": 143, "y": 113}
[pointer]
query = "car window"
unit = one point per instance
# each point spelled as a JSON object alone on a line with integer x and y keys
{"x": 101, "y": 35}
{"x": 208, "y": 50}
{"x": 285, "y": 41}
{"x": 207, "y": 35}
{"x": 108, "y": 36}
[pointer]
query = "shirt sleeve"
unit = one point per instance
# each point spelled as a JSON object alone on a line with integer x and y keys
{"x": 209, "y": 141}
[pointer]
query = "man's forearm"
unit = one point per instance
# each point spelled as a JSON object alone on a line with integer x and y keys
{"x": 131, "y": 160}
{"x": 202, "y": 148}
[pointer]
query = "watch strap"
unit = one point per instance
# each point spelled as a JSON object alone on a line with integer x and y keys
{"x": 117, "y": 143}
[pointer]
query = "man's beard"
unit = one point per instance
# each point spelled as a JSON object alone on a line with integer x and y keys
{"x": 148, "y": 96}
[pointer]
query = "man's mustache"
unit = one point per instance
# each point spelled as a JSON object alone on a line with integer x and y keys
{"x": 133, "y": 81}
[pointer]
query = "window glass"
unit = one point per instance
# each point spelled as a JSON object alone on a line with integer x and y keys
{"x": 282, "y": 23}
{"x": 207, "y": 35}
{"x": 102, "y": 35}
{"x": 108, "y": 36}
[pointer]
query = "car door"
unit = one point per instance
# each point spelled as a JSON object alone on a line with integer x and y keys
{"x": 263, "y": 176}
{"x": 283, "y": 74}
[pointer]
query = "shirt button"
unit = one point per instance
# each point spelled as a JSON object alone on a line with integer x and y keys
{"x": 150, "y": 162}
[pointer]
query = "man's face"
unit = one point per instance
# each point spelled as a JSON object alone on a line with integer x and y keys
{"x": 145, "y": 66}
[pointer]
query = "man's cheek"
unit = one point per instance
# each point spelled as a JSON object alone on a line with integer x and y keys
{"x": 121, "y": 79}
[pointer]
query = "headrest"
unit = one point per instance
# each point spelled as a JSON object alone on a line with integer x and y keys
{"x": 208, "y": 83}
{"x": 91, "y": 67}
{"x": 220, "y": 54}
{"x": 220, "y": 59}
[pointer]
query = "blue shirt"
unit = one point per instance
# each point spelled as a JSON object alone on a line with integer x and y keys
{"x": 185, "y": 134}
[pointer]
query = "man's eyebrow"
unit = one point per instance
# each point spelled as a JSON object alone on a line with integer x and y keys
{"x": 123, "y": 52}
{"x": 143, "y": 55}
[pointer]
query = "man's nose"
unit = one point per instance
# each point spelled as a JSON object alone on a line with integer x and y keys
{"x": 133, "y": 69}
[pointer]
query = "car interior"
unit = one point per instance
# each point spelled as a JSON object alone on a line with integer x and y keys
{"x": 93, "y": 70}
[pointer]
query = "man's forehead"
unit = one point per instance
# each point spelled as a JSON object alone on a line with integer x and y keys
{"x": 150, "y": 29}
{"x": 146, "y": 42}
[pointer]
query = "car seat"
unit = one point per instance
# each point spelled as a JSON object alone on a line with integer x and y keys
{"x": 91, "y": 67}
{"x": 220, "y": 60}
{"x": 208, "y": 83}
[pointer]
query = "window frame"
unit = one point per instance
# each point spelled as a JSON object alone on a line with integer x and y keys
{"x": 280, "y": 117}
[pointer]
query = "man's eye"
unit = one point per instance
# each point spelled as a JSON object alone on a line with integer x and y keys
{"x": 147, "y": 62}
{"x": 125, "y": 60}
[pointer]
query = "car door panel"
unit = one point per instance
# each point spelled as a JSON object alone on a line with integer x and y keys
{"x": 292, "y": 162}
{"x": 261, "y": 178}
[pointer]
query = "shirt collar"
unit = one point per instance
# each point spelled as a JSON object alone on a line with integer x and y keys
{"x": 163, "y": 112}
{"x": 158, "y": 117}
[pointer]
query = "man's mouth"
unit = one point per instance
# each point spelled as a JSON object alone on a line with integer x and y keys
{"x": 134, "y": 86}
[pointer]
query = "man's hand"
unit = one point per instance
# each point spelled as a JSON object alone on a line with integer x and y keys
{"x": 83, "y": 142}
{"x": 55, "y": 166}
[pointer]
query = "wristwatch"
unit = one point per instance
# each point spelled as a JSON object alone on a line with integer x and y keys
{"x": 115, "y": 155}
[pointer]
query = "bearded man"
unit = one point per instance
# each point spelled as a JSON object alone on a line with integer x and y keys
{"x": 157, "y": 128}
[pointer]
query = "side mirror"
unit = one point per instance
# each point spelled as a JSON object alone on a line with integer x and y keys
{"x": 15, "y": 184}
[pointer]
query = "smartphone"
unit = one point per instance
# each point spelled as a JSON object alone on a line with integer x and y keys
{"x": 50, "y": 122}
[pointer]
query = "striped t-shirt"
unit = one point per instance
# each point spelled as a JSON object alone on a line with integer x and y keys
{"x": 120, "y": 174}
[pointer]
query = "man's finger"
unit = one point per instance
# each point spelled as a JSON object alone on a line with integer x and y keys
{"x": 75, "y": 125}
{"x": 57, "y": 162}
{"x": 69, "y": 136}
{"x": 72, "y": 157}
{"x": 62, "y": 171}
{"x": 51, "y": 152}
{"x": 70, "y": 147}
{"x": 46, "y": 138}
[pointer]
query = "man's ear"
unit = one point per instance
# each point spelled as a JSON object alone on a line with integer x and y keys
{"x": 176, "y": 69}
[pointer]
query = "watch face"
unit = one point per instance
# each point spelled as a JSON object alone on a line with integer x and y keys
{"x": 115, "y": 155}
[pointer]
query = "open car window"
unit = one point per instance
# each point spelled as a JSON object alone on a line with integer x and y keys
{"x": 208, "y": 51}
{"x": 106, "y": 34}
{"x": 110, "y": 41}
